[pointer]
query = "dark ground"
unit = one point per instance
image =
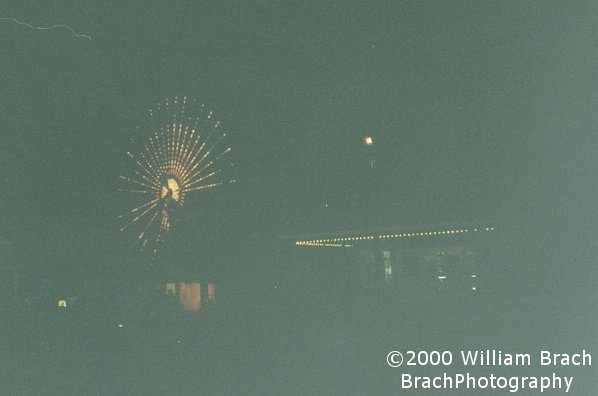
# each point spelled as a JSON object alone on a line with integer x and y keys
{"x": 282, "y": 343}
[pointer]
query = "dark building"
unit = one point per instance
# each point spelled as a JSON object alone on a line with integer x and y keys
{"x": 411, "y": 261}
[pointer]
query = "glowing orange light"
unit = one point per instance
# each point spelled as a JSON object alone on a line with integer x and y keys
{"x": 171, "y": 190}
{"x": 211, "y": 292}
{"x": 190, "y": 296}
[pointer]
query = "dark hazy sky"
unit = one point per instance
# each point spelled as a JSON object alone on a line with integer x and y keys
{"x": 480, "y": 110}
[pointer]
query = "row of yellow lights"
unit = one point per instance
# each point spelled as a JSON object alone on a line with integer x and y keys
{"x": 323, "y": 242}
{"x": 308, "y": 243}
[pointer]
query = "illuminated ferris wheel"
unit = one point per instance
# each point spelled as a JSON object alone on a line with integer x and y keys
{"x": 184, "y": 151}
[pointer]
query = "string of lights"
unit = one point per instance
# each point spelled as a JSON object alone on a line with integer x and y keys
{"x": 338, "y": 241}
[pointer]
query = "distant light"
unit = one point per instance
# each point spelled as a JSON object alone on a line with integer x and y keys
{"x": 120, "y": 325}
{"x": 368, "y": 141}
{"x": 473, "y": 288}
{"x": 62, "y": 303}
{"x": 474, "y": 276}
{"x": 442, "y": 277}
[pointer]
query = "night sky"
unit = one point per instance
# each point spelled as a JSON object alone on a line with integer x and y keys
{"x": 480, "y": 112}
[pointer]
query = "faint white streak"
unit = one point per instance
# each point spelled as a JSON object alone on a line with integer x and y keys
{"x": 78, "y": 35}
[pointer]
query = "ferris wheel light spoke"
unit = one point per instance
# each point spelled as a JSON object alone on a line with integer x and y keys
{"x": 148, "y": 226}
{"x": 144, "y": 212}
{"x": 144, "y": 168}
{"x": 136, "y": 182}
{"x": 193, "y": 178}
{"x": 191, "y": 184}
{"x": 134, "y": 191}
{"x": 204, "y": 187}
{"x": 192, "y": 157}
{"x": 153, "y": 201}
